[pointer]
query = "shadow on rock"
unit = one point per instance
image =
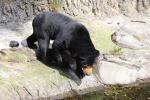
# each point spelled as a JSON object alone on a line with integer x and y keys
{"x": 52, "y": 62}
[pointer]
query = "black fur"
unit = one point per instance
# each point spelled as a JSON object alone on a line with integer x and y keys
{"x": 71, "y": 40}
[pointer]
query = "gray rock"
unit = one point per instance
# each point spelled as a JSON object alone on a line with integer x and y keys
{"x": 128, "y": 68}
{"x": 31, "y": 79}
{"x": 126, "y": 40}
{"x": 21, "y": 10}
{"x": 105, "y": 8}
{"x": 132, "y": 32}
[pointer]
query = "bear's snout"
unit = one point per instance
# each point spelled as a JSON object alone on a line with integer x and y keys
{"x": 87, "y": 70}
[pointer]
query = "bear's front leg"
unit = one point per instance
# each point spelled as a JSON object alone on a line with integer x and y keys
{"x": 69, "y": 61}
{"x": 74, "y": 76}
{"x": 42, "y": 50}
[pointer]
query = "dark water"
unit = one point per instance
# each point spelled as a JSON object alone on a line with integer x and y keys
{"x": 141, "y": 92}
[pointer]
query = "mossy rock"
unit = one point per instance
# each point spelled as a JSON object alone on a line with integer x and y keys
{"x": 25, "y": 77}
{"x": 17, "y": 55}
{"x": 101, "y": 35}
{"x": 21, "y": 71}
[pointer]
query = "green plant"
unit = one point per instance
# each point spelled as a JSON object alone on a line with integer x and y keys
{"x": 116, "y": 51}
{"x": 55, "y": 5}
{"x": 140, "y": 92}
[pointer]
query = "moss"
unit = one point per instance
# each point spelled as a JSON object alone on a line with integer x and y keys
{"x": 89, "y": 96}
{"x": 22, "y": 72}
{"x": 101, "y": 36}
{"x": 21, "y": 59}
{"x": 102, "y": 41}
{"x": 13, "y": 56}
{"x": 37, "y": 68}
{"x": 116, "y": 92}
{"x": 116, "y": 51}
{"x": 38, "y": 71}
{"x": 93, "y": 96}
{"x": 55, "y": 5}
{"x": 17, "y": 55}
{"x": 35, "y": 73}
{"x": 141, "y": 92}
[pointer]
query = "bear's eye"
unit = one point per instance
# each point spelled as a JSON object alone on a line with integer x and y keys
{"x": 85, "y": 66}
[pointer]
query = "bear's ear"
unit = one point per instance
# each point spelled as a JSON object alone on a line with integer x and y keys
{"x": 96, "y": 53}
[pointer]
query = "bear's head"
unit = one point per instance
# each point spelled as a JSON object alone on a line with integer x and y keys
{"x": 86, "y": 62}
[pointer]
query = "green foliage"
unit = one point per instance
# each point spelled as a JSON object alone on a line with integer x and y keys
{"x": 116, "y": 51}
{"x": 103, "y": 42}
{"x": 141, "y": 92}
{"x": 116, "y": 92}
{"x": 101, "y": 36}
{"x": 16, "y": 55}
{"x": 11, "y": 56}
{"x": 57, "y": 2}
{"x": 93, "y": 96}
{"x": 55, "y": 5}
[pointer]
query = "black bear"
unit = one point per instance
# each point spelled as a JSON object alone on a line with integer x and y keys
{"x": 72, "y": 42}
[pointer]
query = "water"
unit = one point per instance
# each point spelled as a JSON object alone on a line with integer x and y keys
{"x": 140, "y": 92}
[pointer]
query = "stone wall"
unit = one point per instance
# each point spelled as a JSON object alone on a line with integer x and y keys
{"x": 105, "y": 8}
{"x": 20, "y": 10}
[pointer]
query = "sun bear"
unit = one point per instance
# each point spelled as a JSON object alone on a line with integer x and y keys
{"x": 72, "y": 42}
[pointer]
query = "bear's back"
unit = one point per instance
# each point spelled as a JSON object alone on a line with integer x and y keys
{"x": 52, "y": 18}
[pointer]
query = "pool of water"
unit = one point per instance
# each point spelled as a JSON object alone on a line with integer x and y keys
{"x": 140, "y": 92}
